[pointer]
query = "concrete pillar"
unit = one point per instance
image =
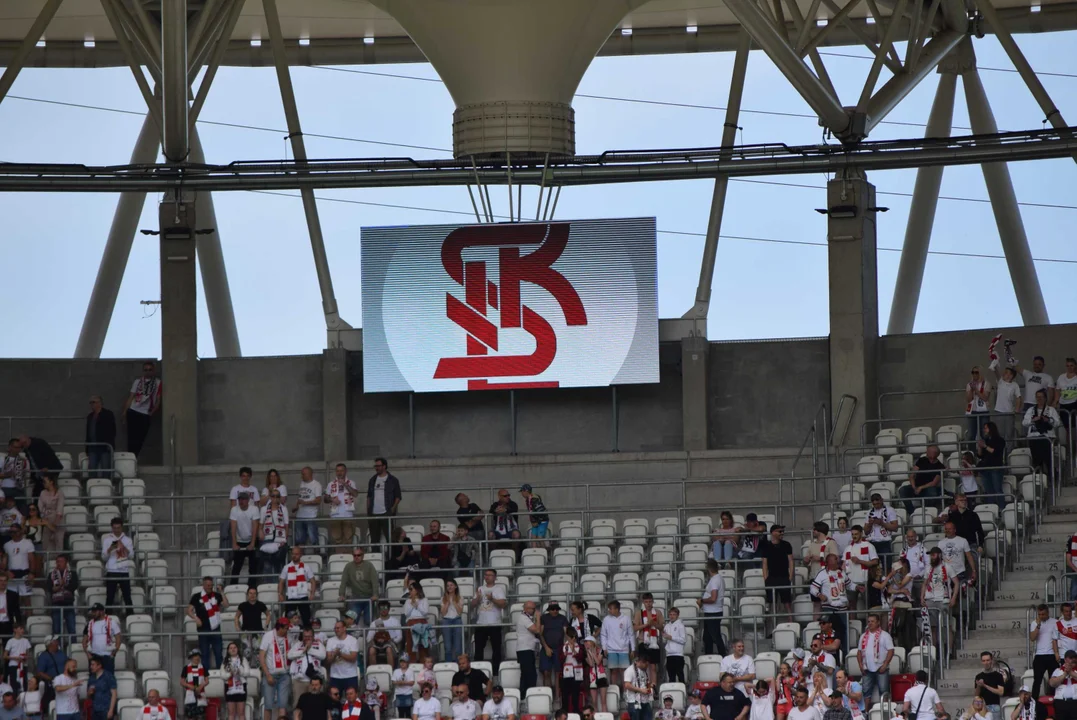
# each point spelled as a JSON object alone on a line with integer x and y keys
{"x": 335, "y": 404}
{"x": 694, "y": 350}
{"x": 179, "y": 330}
{"x": 854, "y": 296}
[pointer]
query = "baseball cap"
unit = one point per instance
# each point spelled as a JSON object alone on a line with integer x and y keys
{"x": 828, "y": 619}
{"x": 798, "y": 653}
{"x": 404, "y": 658}
{"x": 1025, "y": 689}
{"x": 51, "y": 639}
{"x": 283, "y": 623}
{"x": 352, "y": 614}
{"x": 935, "y": 549}
{"x": 695, "y": 693}
{"x": 667, "y": 698}
{"x": 96, "y": 607}
{"x": 553, "y": 606}
{"x": 193, "y": 653}
{"x": 497, "y": 688}
{"x": 525, "y": 488}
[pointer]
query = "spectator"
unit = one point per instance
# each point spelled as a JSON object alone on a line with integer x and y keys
{"x": 489, "y": 600}
{"x": 726, "y": 702}
{"x": 921, "y": 701}
{"x": 435, "y": 551}
{"x": 273, "y": 536}
{"x": 427, "y": 707}
{"x": 1007, "y": 402}
{"x": 990, "y": 685}
{"x": 898, "y": 594}
{"x": 342, "y": 651}
{"x": 417, "y": 637}
{"x": 967, "y": 523}
{"x": 475, "y": 682}
{"x": 359, "y": 586}
{"x": 116, "y": 551}
{"x": 470, "y": 514}
{"x": 752, "y": 535}
{"x": 957, "y": 554}
{"x": 977, "y": 710}
{"x": 153, "y": 709}
{"x": 571, "y": 662}
{"x": 712, "y": 605}
{"x": 308, "y": 501}
{"x": 252, "y": 615}
{"x": 50, "y": 664}
{"x": 881, "y": 523}
{"x": 101, "y": 689}
{"x": 16, "y": 651}
{"x": 1040, "y": 423}
{"x": 498, "y": 707}
{"x": 313, "y": 704}
{"x": 193, "y": 680}
{"x": 273, "y": 482}
{"x": 141, "y": 405}
{"x": 741, "y": 666}
{"x": 205, "y": 609}
{"x": 504, "y": 521}
{"x": 977, "y": 399}
{"x": 939, "y": 590}
{"x": 1065, "y": 399}
{"x": 925, "y": 481}
{"x": 452, "y": 620}
{"x": 236, "y": 671}
{"x": 583, "y": 622}
{"x": 384, "y": 637}
{"x": 464, "y": 550}
{"x": 552, "y": 626}
{"x": 724, "y": 548}
{"x": 403, "y": 679}
{"x": 402, "y": 556}
{"x": 859, "y": 558}
{"x": 802, "y": 709}
{"x": 30, "y": 704}
{"x": 427, "y": 675}
{"x": 33, "y": 529}
{"x": 836, "y": 709}
{"x": 668, "y": 712}
{"x": 695, "y": 710}
{"x": 19, "y": 552}
{"x": 819, "y": 662}
{"x": 528, "y": 629}
{"x": 992, "y": 451}
{"x": 832, "y": 587}
{"x": 876, "y": 652}
{"x": 675, "y": 635}
{"x": 355, "y": 709}
{"x": 15, "y": 472}
{"x": 916, "y": 555}
{"x": 340, "y": 495}
{"x": 100, "y": 438}
{"x": 828, "y": 639}
{"x": 382, "y": 499}
{"x": 536, "y": 512}
{"x": 297, "y": 585}
{"x": 67, "y": 689}
{"x": 43, "y": 460}
{"x": 843, "y": 537}
{"x": 820, "y": 546}
{"x": 102, "y": 636}
{"x": 617, "y": 640}
{"x": 9, "y": 518}
{"x": 1035, "y": 380}
{"x": 244, "y": 520}
{"x": 777, "y": 558}
{"x": 306, "y": 658}
{"x": 648, "y": 623}
{"x": 852, "y": 694}
{"x": 1067, "y": 629}
{"x": 462, "y": 706}
{"x": 1026, "y": 708}
{"x": 1044, "y": 633}
{"x": 638, "y": 690}
{"x": 10, "y": 611}
{"x": 273, "y": 659}
{"x": 1065, "y": 692}
{"x": 244, "y": 488}
{"x": 596, "y": 676}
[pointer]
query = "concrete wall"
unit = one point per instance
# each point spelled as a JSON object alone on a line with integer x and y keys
{"x": 941, "y": 362}
{"x": 263, "y": 409}
{"x": 766, "y": 393}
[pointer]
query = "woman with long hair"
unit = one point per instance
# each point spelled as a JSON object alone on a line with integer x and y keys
{"x": 415, "y": 609}
{"x": 236, "y": 669}
{"x": 571, "y": 672}
{"x": 819, "y": 693}
{"x": 273, "y": 482}
{"x": 51, "y": 505}
{"x": 724, "y": 549}
{"x": 977, "y": 710}
{"x": 452, "y": 616}
{"x": 784, "y": 685}
{"x": 35, "y": 527}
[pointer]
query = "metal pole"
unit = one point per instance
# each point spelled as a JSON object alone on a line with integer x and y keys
{"x": 616, "y": 425}
{"x": 925, "y": 199}
{"x": 721, "y": 184}
{"x": 1011, "y": 229}
{"x": 215, "y": 58}
{"x": 132, "y": 60}
{"x": 117, "y": 251}
{"x": 411, "y": 424}
{"x": 29, "y": 41}
{"x": 299, "y": 149}
{"x": 175, "y": 89}
{"x": 222, "y": 317}
{"x": 898, "y": 87}
{"x": 512, "y": 418}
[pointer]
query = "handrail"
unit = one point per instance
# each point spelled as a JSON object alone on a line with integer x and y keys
{"x": 812, "y": 435}
{"x": 837, "y": 417}
{"x": 1050, "y": 588}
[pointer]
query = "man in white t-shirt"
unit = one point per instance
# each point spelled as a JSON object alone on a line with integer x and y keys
{"x": 276, "y": 680}
{"x": 1065, "y": 398}
{"x": 1064, "y": 684}
{"x": 463, "y": 707}
{"x": 153, "y": 709}
{"x": 741, "y": 666}
{"x": 20, "y": 554}
{"x": 382, "y": 500}
{"x": 1036, "y": 379}
{"x": 880, "y": 526}
{"x": 819, "y": 660}
{"x": 342, "y": 651}
{"x": 308, "y": 500}
{"x": 297, "y": 585}
{"x": 102, "y": 636}
{"x": 117, "y": 548}
{"x": 527, "y": 645}
{"x": 142, "y": 404}
{"x": 489, "y": 599}
{"x": 638, "y": 690}
{"x": 957, "y": 554}
{"x": 1008, "y": 402}
{"x": 244, "y": 519}
{"x": 858, "y": 559}
{"x": 1067, "y": 630}
{"x": 1043, "y": 632}
{"x": 801, "y": 710}
{"x": 244, "y": 487}
{"x": 498, "y": 707}
{"x": 921, "y": 701}
{"x": 876, "y": 652}
{"x": 426, "y": 707}
{"x": 340, "y": 496}
{"x": 712, "y": 604}
{"x": 66, "y": 687}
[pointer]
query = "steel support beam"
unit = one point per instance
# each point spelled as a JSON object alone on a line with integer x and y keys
{"x": 299, "y": 149}
{"x": 120, "y": 31}
{"x": 721, "y": 184}
{"x": 29, "y": 42}
{"x": 925, "y": 200}
{"x": 231, "y": 18}
{"x": 788, "y": 61}
{"x": 1011, "y": 229}
{"x": 222, "y": 317}
{"x": 121, "y": 236}
{"x": 898, "y": 87}
{"x": 175, "y": 89}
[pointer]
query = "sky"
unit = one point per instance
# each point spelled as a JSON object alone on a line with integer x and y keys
{"x": 770, "y": 279}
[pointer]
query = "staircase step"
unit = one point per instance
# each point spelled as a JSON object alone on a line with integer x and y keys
{"x": 1001, "y": 628}
{"x": 996, "y": 614}
{"x": 1023, "y": 584}
{"x": 1043, "y": 568}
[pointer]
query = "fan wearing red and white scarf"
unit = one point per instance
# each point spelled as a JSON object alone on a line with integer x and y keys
{"x": 153, "y": 709}
{"x": 275, "y": 522}
{"x": 352, "y": 709}
{"x": 101, "y": 634}
{"x": 875, "y": 646}
{"x": 194, "y": 676}
{"x": 274, "y": 649}
{"x": 211, "y": 606}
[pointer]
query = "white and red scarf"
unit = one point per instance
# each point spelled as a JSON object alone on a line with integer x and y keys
{"x": 148, "y": 389}
{"x": 351, "y": 710}
{"x": 16, "y": 466}
{"x": 234, "y": 667}
{"x": 297, "y": 584}
{"x": 646, "y": 616}
{"x": 345, "y": 488}
{"x": 280, "y": 651}
{"x": 195, "y": 676}
{"x": 933, "y": 583}
{"x": 155, "y": 712}
{"x": 108, "y": 631}
{"x": 213, "y": 609}
{"x": 274, "y": 524}
{"x": 875, "y": 638}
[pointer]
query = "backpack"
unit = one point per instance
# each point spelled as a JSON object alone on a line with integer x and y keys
{"x": 1007, "y": 676}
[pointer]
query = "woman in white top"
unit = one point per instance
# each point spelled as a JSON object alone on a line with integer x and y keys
{"x": 977, "y": 710}
{"x": 273, "y": 482}
{"x": 977, "y": 397}
{"x": 426, "y": 707}
{"x": 1040, "y": 422}
{"x": 452, "y": 614}
{"x": 415, "y": 609}
{"x": 236, "y": 670}
{"x": 843, "y": 536}
{"x": 820, "y": 693}
{"x": 762, "y": 701}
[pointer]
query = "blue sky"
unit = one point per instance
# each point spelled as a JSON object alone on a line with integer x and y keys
{"x": 52, "y": 242}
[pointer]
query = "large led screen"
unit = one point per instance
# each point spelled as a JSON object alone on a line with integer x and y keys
{"x": 524, "y": 305}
